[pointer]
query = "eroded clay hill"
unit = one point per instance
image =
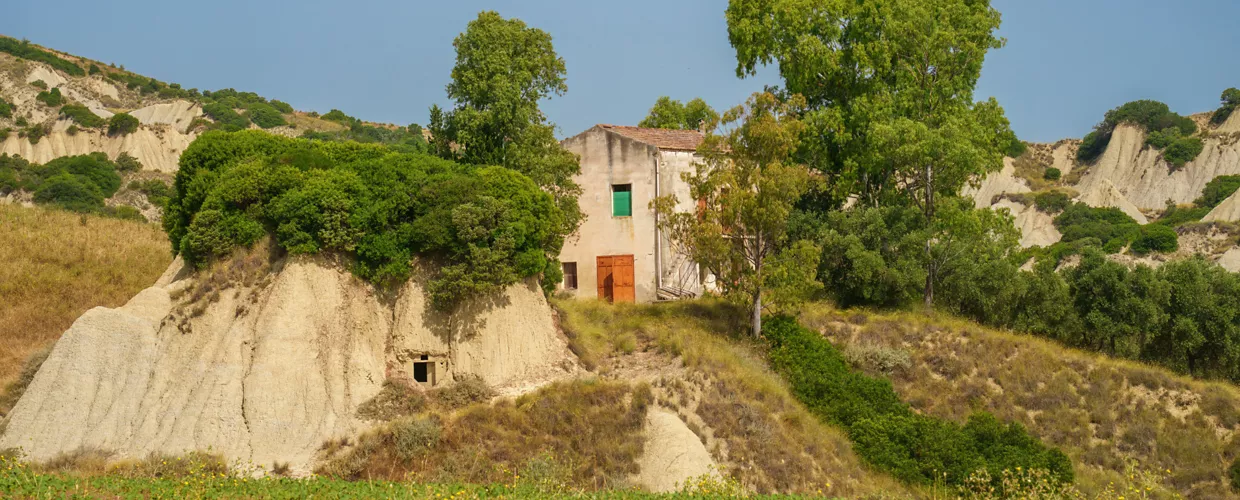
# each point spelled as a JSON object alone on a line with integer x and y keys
{"x": 268, "y": 367}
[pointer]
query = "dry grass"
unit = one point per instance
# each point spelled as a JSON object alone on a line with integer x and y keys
{"x": 1032, "y": 169}
{"x": 59, "y": 264}
{"x": 303, "y": 121}
{"x": 583, "y": 434}
{"x": 755, "y": 429}
{"x": 1098, "y": 410}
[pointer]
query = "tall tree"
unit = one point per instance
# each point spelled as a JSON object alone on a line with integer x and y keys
{"x": 503, "y": 69}
{"x": 889, "y": 86}
{"x": 746, "y": 187}
{"x": 668, "y": 113}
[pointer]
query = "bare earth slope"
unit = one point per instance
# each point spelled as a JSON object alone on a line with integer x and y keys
{"x": 263, "y": 372}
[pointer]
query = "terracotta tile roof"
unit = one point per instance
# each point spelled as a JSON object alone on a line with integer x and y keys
{"x": 676, "y": 140}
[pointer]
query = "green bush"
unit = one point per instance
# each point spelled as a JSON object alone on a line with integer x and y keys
{"x": 156, "y": 191}
{"x": 281, "y": 106}
{"x": 1111, "y": 226}
{"x": 123, "y": 124}
{"x": 4, "y": 133}
{"x": 337, "y": 115}
{"x": 1052, "y": 202}
{"x": 1156, "y": 238}
{"x": 1233, "y": 474}
{"x": 72, "y": 130}
{"x": 25, "y": 50}
{"x": 34, "y": 133}
{"x": 911, "y": 446}
{"x": 6, "y": 109}
{"x": 1218, "y": 189}
{"x": 1175, "y": 216}
{"x": 225, "y": 117}
{"x": 94, "y": 69}
{"x": 1183, "y": 150}
{"x": 82, "y": 116}
{"x": 484, "y": 227}
{"x": 52, "y": 98}
{"x": 70, "y": 192}
{"x": 125, "y": 162}
{"x": 1230, "y": 100}
{"x": 124, "y": 212}
{"x": 39, "y": 84}
{"x": 1052, "y": 174}
{"x": 94, "y": 169}
{"x": 265, "y": 116}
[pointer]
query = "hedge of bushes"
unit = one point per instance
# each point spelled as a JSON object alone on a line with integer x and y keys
{"x": 25, "y": 50}
{"x": 1185, "y": 315}
{"x": 886, "y": 433}
{"x": 483, "y": 227}
{"x": 82, "y": 116}
{"x": 78, "y": 183}
{"x": 1162, "y": 125}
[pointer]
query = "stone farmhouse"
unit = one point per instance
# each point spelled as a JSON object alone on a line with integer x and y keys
{"x": 619, "y": 254}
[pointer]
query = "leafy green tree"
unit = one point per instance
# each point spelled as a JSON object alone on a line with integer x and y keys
{"x": 748, "y": 184}
{"x": 672, "y": 114}
{"x": 889, "y": 85}
{"x": 122, "y": 124}
{"x": 1116, "y": 306}
{"x": 503, "y": 69}
{"x": 1202, "y": 333}
{"x": 1230, "y": 100}
{"x": 265, "y": 116}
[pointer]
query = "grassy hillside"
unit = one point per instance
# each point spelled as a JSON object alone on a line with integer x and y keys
{"x": 1101, "y": 411}
{"x": 57, "y": 265}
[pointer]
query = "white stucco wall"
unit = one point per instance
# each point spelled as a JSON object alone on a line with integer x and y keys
{"x": 607, "y": 159}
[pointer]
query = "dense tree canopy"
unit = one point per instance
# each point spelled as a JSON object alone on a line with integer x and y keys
{"x": 503, "y": 69}
{"x": 668, "y": 113}
{"x": 481, "y": 227}
{"x": 889, "y": 84}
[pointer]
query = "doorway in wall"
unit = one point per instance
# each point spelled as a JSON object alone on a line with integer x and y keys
{"x": 615, "y": 278}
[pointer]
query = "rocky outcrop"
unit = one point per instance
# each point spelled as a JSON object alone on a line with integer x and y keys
{"x": 1002, "y": 182}
{"x": 1103, "y": 193}
{"x": 176, "y": 114}
{"x": 1142, "y": 177}
{"x": 157, "y": 149}
{"x": 673, "y": 454}
{"x": 1227, "y": 211}
{"x": 1037, "y": 228}
{"x": 263, "y": 373}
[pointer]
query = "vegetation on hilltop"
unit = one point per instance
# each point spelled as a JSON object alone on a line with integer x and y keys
{"x": 1165, "y": 130}
{"x": 668, "y": 113}
{"x": 1230, "y": 100}
{"x": 25, "y": 50}
{"x": 484, "y": 227}
{"x": 57, "y": 265}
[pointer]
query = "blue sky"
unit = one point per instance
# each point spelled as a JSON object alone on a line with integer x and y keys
{"x": 1066, "y": 62}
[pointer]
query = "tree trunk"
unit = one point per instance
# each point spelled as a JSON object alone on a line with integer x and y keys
{"x": 929, "y": 213}
{"x": 757, "y": 313}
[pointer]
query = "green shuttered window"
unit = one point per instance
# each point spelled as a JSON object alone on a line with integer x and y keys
{"x": 622, "y": 200}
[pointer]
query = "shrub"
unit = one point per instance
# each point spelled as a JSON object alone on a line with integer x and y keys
{"x": 1230, "y": 100}
{"x": 156, "y": 191}
{"x": 413, "y": 436}
{"x": 94, "y": 69}
{"x": 1183, "y": 150}
{"x": 20, "y": 121}
{"x": 124, "y": 212}
{"x": 1052, "y": 174}
{"x": 6, "y": 109}
{"x": 82, "y": 116}
{"x": 4, "y": 133}
{"x": 337, "y": 115}
{"x": 393, "y": 401}
{"x": 487, "y": 227}
{"x": 1052, "y": 202}
{"x": 72, "y": 130}
{"x": 911, "y": 446}
{"x": 39, "y": 84}
{"x": 70, "y": 193}
{"x": 1175, "y": 216}
{"x": 1156, "y": 238}
{"x": 265, "y": 116}
{"x": 51, "y": 98}
{"x": 468, "y": 390}
{"x": 1218, "y": 189}
{"x": 25, "y": 50}
{"x": 227, "y": 119}
{"x": 1111, "y": 226}
{"x": 281, "y": 106}
{"x": 1233, "y": 474}
{"x": 35, "y": 132}
{"x": 125, "y": 162}
{"x": 123, "y": 124}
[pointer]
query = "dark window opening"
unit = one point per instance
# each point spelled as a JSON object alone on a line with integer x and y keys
{"x": 570, "y": 275}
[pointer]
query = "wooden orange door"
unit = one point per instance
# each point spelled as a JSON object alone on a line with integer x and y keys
{"x": 605, "y": 278}
{"x": 615, "y": 278}
{"x": 622, "y": 272}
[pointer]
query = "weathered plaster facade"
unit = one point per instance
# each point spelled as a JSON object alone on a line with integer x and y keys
{"x": 651, "y": 161}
